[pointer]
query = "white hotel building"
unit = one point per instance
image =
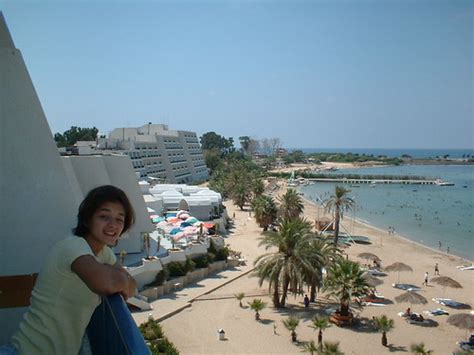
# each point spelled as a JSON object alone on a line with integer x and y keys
{"x": 157, "y": 152}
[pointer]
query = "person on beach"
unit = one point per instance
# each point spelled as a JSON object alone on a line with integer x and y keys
{"x": 408, "y": 312}
{"x": 439, "y": 244}
{"x": 306, "y": 301}
{"x": 436, "y": 271}
{"x": 425, "y": 282}
{"x": 78, "y": 271}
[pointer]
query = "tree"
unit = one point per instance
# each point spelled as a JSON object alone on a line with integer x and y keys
{"x": 291, "y": 205}
{"x": 257, "y": 186}
{"x": 383, "y": 325}
{"x": 265, "y": 211}
{"x": 74, "y": 134}
{"x": 257, "y": 305}
{"x": 344, "y": 282}
{"x": 320, "y": 323}
{"x": 310, "y": 347}
{"x": 292, "y": 260}
{"x": 212, "y": 158}
{"x": 240, "y": 296}
{"x": 212, "y": 140}
{"x": 338, "y": 203}
{"x": 419, "y": 349}
{"x": 244, "y": 144}
{"x": 291, "y": 323}
{"x": 323, "y": 254}
{"x": 330, "y": 349}
{"x": 298, "y": 156}
{"x": 275, "y": 144}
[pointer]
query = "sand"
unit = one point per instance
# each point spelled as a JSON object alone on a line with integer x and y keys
{"x": 194, "y": 329}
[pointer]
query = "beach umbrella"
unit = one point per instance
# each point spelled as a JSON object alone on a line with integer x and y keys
{"x": 175, "y": 231}
{"x": 411, "y": 297}
{"x": 192, "y": 220}
{"x": 369, "y": 256}
{"x": 372, "y": 280}
{"x": 446, "y": 281}
{"x": 462, "y": 320}
{"x": 399, "y": 267}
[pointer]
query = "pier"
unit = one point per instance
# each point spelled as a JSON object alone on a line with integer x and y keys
{"x": 381, "y": 181}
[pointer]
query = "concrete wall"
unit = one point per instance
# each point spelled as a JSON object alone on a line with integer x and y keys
{"x": 37, "y": 208}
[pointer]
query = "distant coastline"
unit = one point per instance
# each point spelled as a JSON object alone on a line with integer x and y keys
{"x": 395, "y": 153}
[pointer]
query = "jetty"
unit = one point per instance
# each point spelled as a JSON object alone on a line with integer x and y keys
{"x": 345, "y": 180}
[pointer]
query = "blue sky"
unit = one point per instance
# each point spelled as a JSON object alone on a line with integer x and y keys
{"x": 352, "y": 74}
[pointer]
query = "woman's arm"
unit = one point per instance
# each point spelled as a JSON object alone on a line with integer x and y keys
{"x": 104, "y": 279}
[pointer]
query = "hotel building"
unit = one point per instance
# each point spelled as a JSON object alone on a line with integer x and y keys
{"x": 157, "y": 152}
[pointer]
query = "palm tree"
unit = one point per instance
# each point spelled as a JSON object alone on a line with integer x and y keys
{"x": 257, "y": 186}
{"x": 338, "y": 203}
{"x": 344, "y": 282}
{"x": 330, "y": 349}
{"x": 320, "y": 323}
{"x": 323, "y": 254}
{"x": 240, "y": 194}
{"x": 310, "y": 347}
{"x": 290, "y": 263}
{"x": 240, "y": 296}
{"x": 291, "y": 205}
{"x": 257, "y": 305}
{"x": 265, "y": 211}
{"x": 383, "y": 325}
{"x": 419, "y": 349}
{"x": 291, "y": 323}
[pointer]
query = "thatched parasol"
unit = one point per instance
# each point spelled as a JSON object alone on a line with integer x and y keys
{"x": 411, "y": 297}
{"x": 398, "y": 267}
{"x": 372, "y": 280}
{"x": 369, "y": 256}
{"x": 446, "y": 281}
{"x": 462, "y": 320}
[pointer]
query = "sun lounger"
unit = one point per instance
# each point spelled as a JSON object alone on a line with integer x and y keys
{"x": 378, "y": 304}
{"x": 406, "y": 287}
{"x": 423, "y": 323}
{"x": 451, "y": 303}
{"x": 376, "y": 272}
{"x": 467, "y": 345}
{"x": 436, "y": 312}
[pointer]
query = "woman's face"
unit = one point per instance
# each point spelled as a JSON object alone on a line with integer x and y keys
{"x": 106, "y": 225}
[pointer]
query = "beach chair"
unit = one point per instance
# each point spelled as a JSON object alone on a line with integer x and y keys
{"x": 451, "y": 303}
{"x": 406, "y": 287}
{"x": 436, "y": 312}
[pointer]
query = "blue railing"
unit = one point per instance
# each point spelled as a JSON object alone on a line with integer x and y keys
{"x": 112, "y": 330}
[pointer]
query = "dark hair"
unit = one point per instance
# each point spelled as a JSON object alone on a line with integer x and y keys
{"x": 94, "y": 200}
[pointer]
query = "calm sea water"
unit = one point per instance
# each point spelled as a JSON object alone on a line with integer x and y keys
{"x": 394, "y": 153}
{"x": 426, "y": 214}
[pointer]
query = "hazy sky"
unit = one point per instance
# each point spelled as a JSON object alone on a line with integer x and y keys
{"x": 355, "y": 74}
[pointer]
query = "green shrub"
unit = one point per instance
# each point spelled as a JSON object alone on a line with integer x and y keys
{"x": 201, "y": 261}
{"x": 222, "y": 254}
{"x": 176, "y": 269}
{"x": 211, "y": 257}
{"x": 190, "y": 265}
{"x": 155, "y": 338}
{"x": 160, "y": 278}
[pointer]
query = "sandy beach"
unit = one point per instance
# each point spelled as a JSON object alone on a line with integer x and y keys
{"x": 194, "y": 329}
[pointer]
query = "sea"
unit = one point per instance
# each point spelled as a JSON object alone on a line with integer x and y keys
{"x": 427, "y": 214}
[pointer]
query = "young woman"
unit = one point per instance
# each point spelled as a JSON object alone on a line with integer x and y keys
{"x": 79, "y": 270}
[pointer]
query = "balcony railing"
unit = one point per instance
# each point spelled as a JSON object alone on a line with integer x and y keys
{"x": 112, "y": 330}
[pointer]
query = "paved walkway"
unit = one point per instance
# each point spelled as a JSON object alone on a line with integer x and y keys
{"x": 169, "y": 304}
